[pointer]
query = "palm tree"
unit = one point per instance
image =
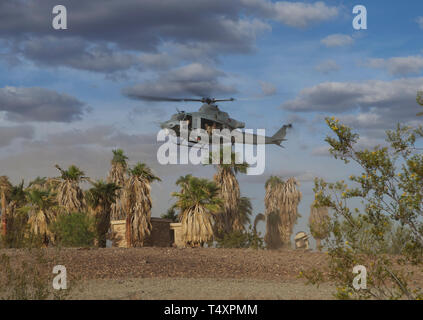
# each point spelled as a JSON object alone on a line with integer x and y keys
{"x": 282, "y": 198}
{"x": 245, "y": 209}
{"x": 38, "y": 183}
{"x": 17, "y": 199}
{"x": 198, "y": 204}
{"x": 117, "y": 175}
{"x": 137, "y": 200}
{"x": 170, "y": 215}
{"x": 273, "y": 236}
{"x": 5, "y": 187}
{"x": 100, "y": 199}
{"x": 229, "y": 219}
{"x": 319, "y": 224}
{"x": 69, "y": 194}
{"x": 183, "y": 182}
{"x": 40, "y": 205}
{"x": 290, "y": 197}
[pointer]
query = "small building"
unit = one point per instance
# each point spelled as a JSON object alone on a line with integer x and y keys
{"x": 164, "y": 233}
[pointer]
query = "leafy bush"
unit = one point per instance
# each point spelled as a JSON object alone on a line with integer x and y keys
{"x": 241, "y": 239}
{"x": 395, "y": 238}
{"x": 389, "y": 220}
{"x": 74, "y": 230}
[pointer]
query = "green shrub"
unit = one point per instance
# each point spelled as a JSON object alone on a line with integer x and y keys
{"x": 74, "y": 230}
{"x": 241, "y": 239}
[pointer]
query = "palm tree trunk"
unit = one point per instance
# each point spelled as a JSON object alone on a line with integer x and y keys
{"x": 128, "y": 231}
{"x": 318, "y": 244}
{"x": 3, "y": 215}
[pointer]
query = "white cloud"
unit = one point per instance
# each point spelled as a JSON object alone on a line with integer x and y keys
{"x": 327, "y": 66}
{"x": 337, "y": 40}
{"x": 193, "y": 79}
{"x": 419, "y": 21}
{"x": 300, "y": 14}
{"x": 293, "y": 14}
{"x": 267, "y": 88}
{"x": 398, "y": 66}
{"x": 39, "y": 104}
{"x": 372, "y": 105}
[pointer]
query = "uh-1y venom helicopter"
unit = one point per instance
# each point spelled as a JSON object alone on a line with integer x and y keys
{"x": 210, "y": 117}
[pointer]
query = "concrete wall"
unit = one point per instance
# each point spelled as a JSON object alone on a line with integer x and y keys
{"x": 164, "y": 233}
{"x": 118, "y": 233}
{"x": 177, "y": 235}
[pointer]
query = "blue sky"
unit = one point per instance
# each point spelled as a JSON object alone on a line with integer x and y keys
{"x": 62, "y": 92}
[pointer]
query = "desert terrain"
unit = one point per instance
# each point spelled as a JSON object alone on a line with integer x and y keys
{"x": 173, "y": 273}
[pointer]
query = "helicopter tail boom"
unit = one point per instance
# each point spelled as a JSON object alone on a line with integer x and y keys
{"x": 279, "y": 136}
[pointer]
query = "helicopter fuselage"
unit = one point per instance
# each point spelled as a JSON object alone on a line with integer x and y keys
{"x": 208, "y": 115}
{"x": 210, "y": 118}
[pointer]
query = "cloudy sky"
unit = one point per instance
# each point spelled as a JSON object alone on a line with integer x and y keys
{"x": 67, "y": 96}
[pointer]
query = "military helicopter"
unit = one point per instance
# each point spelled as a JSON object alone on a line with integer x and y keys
{"x": 210, "y": 117}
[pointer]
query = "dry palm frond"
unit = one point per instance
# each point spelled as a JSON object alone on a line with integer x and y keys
{"x": 196, "y": 226}
{"x": 118, "y": 177}
{"x": 231, "y": 217}
{"x": 319, "y": 223}
{"x": 282, "y": 198}
{"x": 138, "y": 204}
{"x": 271, "y": 197}
{"x": 100, "y": 198}
{"x": 5, "y": 188}
{"x": 290, "y": 197}
{"x": 38, "y": 183}
{"x": 272, "y": 213}
{"x": 40, "y": 209}
{"x": 198, "y": 202}
{"x": 230, "y": 194}
{"x": 39, "y": 221}
{"x": 245, "y": 209}
{"x": 69, "y": 195}
{"x": 138, "y": 207}
{"x": 17, "y": 199}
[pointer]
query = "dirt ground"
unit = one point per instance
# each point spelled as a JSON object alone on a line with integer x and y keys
{"x": 200, "y": 273}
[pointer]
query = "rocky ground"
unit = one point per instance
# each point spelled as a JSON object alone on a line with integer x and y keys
{"x": 171, "y": 273}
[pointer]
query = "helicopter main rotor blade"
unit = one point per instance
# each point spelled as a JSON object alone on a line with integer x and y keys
{"x": 220, "y": 100}
{"x": 152, "y": 98}
{"x": 204, "y": 100}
